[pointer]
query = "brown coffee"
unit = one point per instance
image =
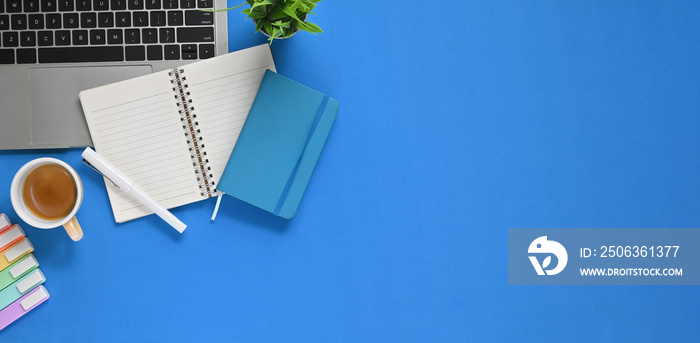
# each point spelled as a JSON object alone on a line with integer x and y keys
{"x": 50, "y": 192}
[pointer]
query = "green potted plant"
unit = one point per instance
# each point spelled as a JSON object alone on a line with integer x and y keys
{"x": 279, "y": 19}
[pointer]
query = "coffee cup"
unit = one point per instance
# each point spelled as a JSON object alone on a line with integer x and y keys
{"x": 47, "y": 193}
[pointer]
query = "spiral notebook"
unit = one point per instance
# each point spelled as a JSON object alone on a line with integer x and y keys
{"x": 172, "y": 132}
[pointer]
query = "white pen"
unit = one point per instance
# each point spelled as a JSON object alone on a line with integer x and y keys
{"x": 95, "y": 161}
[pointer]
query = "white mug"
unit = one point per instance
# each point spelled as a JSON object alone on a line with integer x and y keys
{"x": 69, "y": 222}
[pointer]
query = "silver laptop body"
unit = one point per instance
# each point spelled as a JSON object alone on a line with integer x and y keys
{"x": 41, "y": 74}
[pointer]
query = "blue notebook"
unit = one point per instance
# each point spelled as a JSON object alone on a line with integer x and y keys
{"x": 279, "y": 145}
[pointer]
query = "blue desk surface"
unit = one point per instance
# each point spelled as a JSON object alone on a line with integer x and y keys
{"x": 457, "y": 122}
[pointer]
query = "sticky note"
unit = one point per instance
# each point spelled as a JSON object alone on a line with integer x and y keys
{"x": 4, "y": 222}
{"x": 17, "y": 270}
{"x": 21, "y": 287}
{"x": 9, "y": 236}
{"x": 15, "y": 252}
{"x": 23, "y": 305}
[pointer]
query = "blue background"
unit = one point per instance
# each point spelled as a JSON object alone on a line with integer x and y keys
{"x": 458, "y": 121}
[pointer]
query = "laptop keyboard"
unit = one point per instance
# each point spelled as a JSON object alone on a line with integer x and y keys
{"x": 65, "y": 31}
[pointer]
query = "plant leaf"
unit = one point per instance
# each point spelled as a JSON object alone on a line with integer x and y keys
{"x": 223, "y": 9}
{"x": 277, "y": 14}
{"x": 313, "y": 28}
{"x": 261, "y": 3}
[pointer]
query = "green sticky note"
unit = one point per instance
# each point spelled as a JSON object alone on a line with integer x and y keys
{"x": 17, "y": 270}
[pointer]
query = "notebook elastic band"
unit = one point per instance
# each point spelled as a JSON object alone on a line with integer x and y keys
{"x": 285, "y": 192}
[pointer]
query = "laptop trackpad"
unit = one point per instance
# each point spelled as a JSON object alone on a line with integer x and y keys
{"x": 56, "y": 115}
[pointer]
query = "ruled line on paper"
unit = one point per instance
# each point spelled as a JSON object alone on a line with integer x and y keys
{"x": 131, "y": 155}
{"x": 142, "y": 117}
{"x": 211, "y": 80}
{"x": 152, "y": 162}
{"x": 126, "y": 133}
{"x": 229, "y": 88}
{"x": 129, "y": 102}
{"x": 136, "y": 205}
{"x": 101, "y": 120}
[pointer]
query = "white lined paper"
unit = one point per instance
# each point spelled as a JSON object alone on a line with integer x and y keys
{"x": 136, "y": 126}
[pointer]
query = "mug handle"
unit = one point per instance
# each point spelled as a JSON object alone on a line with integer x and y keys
{"x": 73, "y": 229}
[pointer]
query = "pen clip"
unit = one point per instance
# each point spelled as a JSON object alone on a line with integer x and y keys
{"x": 97, "y": 170}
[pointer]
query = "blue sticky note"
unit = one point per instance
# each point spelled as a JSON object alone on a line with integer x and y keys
{"x": 279, "y": 145}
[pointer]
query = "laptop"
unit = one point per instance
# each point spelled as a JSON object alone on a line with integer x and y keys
{"x": 50, "y": 50}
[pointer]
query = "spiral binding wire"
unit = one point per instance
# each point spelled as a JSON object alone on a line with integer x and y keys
{"x": 195, "y": 141}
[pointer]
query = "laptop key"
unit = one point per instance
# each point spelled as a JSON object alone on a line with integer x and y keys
{"x": 71, "y": 21}
{"x": 80, "y": 37}
{"x": 81, "y": 54}
{"x": 170, "y": 4}
{"x": 53, "y": 21}
{"x": 153, "y": 4}
{"x": 88, "y": 20}
{"x": 100, "y": 5}
{"x": 7, "y": 56}
{"x": 4, "y": 22}
{"x": 36, "y": 21}
{"x": 189, "y": 51}
{"x": 45, "y": 38}
{"x": 175, "y": 18}
{"x": 149, "y": 36}
{"x": 197, "y": 17}
{"x": 105, "y": 19}
{"x": 135, "y": 53}
{"x": 27, "y": 38}
{"x": 97, "y": 37}
{"x": 123, "y": 19}
{"x": 140, "y": 19}
{"x": 19, "y": 21}
{"x": 62, "y": 37}
{"x": 83, "y": 5}
{"x": 13, "y": 6}
{"x": 206, "y": 51}
{"x": 132, "y": 36}
{"x": 26, "y": 55}
{"x": 10, "y": 39}
{"x": 172, "y": 52}
{"x": 154, "y": 52}
{"x": 31, "y": 5}
{"x": 118, "y": 4}
{"x": 158, "y": 18}
{"x": 135, "y": 4}
{"x": 66, "y": 5}
{"x": 195, "y": 34}
{"x": 48, "y": 5}
{"x": 115, "y": 36}
{"x": 167, "y": 35}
